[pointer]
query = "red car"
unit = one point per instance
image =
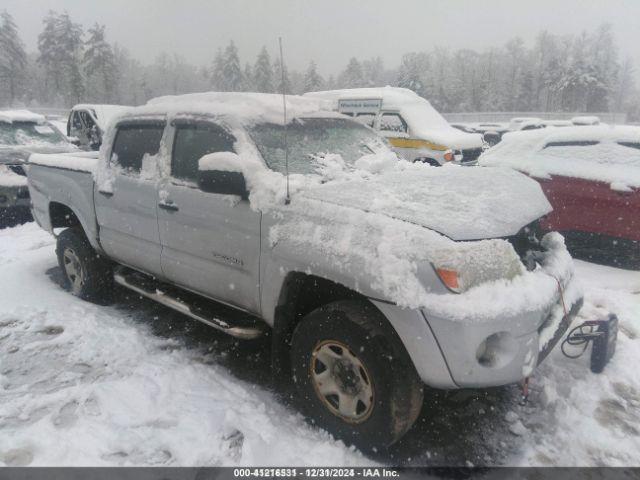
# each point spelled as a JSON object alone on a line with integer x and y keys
{"x": 591, "y": 176}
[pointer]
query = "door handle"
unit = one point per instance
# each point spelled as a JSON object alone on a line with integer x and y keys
{"x": 106, "y": 193}
{"x": 168, "y": 205}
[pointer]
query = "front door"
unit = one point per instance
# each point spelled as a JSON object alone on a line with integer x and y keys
{"x": 126, "y": 197}
{"x": 210, "y": 242}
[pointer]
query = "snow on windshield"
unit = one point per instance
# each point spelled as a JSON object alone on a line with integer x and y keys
{"x": 29, "y": 133}
{"x": 311, "y": 139}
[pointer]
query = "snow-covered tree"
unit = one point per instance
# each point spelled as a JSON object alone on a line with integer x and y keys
{"x": 99, "y": 65}
{"x": 312, "y": 79}
{"x": 278, "y": 71}
{"x": 352, "y": 76}
{"x": 231, "y": 77}
{"x": 263, "y": 72}
{"x": 60, "y": 46}
{"x": 13, "y": 58}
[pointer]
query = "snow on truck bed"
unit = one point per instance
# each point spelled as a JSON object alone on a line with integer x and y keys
{"x": 77, "y": 161}
{"x": 600, "y": 153}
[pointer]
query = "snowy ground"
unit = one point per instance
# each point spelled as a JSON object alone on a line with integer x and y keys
{"x": 136, "y": 384}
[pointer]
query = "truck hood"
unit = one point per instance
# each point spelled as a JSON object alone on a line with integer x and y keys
{"x": 463, "y": 203}
{"x": 451, "y": 137}
{"x": 20, "y": 153}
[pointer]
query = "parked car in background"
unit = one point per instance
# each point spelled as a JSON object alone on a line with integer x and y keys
{"x": 416, "y": 131}
{"x": 374, "y": 276}
{"x": 591, "y": 176}
{"x": 87, "y": 123}
{"x": 556, "y": 123}
{"x": 586, "y": 120}
{"x": 21, "y": 134}
{"x": 518, "y": 123}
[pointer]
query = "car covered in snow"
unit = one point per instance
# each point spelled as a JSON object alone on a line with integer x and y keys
{"x": 373, "y": 275}
{"x": 21, "y": 133}
{"x": 415, "y": 130}
{"x": 591, "y": 176}
{"x": 87, "y": 123}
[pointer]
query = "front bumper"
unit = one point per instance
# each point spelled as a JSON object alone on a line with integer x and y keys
{"x": 503, "y": 351}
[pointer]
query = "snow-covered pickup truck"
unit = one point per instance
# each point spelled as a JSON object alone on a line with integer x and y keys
{"x": 374, "y": 275}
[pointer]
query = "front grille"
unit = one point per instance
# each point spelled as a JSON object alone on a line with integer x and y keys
{"x": 526, "y": 242}
{"x": 471, "y": 154}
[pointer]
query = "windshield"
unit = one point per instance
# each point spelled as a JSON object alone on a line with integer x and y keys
{"x": 29, "y": 133}
{"x": 310, "y": 138}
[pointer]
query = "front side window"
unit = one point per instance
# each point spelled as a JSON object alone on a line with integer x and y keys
{"x": 192, "y": 142}
{"x": 392, "y": 122}
{"x": 134, "y": 142}
{"x": 86, "y": 118}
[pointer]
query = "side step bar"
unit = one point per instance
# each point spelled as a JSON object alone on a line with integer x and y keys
{"x": 236, "y": 323}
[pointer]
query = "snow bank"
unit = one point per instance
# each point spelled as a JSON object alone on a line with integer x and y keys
{"x": 10, "y": 116}
{"x": 84, "y": 385}
{"x": 608, "y": 160}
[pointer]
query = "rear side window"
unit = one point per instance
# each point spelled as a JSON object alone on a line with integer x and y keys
{"x": 192, "y": 142}
{"x": 392, "y": 122}
{"x": 133, "y": 142}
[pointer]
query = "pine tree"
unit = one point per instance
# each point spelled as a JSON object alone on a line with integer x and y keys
{"x": 99, "y": 63}
{"x": 216, "y": 70}
{"x": 249, "y": 80}
{"x": 60, "y": 46}
{"x": 278, "y": 73}
{"x": 13, "y": 58}
{"x": 312, "y": 80}
{"x": 352, "y": 76}
{"x": 231, "y": 75}
{"x": 263, "y": 72}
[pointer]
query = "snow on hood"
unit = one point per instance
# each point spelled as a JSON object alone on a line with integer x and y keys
{"x": 614, "y": 158}
{"x": 450, "y": 137}
{"x": 461, "y": 203}
{"x": 10, "y": 116}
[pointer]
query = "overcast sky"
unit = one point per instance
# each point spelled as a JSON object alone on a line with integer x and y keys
{"x": 330, "y": 31}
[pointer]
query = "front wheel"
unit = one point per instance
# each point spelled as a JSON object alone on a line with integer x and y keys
{"x": 86, "y": 274}
{"x": 353, "y": 375}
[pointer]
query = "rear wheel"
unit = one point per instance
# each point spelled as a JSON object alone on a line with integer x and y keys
{"x": 86, "y": 274}
{"x": 353, "y": 375}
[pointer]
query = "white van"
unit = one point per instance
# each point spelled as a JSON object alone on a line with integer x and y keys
{"x": 415, "y": 129}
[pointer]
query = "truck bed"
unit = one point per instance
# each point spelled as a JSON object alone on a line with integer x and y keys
{"x": 66, "y": 179}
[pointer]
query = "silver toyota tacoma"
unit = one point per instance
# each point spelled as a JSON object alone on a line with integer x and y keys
{"x": 372, "y": 275}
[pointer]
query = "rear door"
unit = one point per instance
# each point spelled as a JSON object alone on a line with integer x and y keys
{"x": 126, "y": 197}
{"x": 211, "y": 242}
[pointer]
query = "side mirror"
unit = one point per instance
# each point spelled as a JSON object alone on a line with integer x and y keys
{"x": 221, "y": 173}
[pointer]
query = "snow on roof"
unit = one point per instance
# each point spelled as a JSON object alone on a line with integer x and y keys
{"x": 585, "y": 120}
{"x": 392, "y": 97}
{"x": 600, "y": 153}
{"x": 247, "y": 107}
{"x": 10, "y": 116}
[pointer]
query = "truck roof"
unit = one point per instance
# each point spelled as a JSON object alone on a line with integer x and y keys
{"x": 246, "y": 107}
{"x": 10, "y": 116}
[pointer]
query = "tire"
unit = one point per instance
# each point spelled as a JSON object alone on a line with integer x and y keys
{"x": 428, "y": 161}
{"x": 86, "y": 274}
{"x": 385, "y": 374}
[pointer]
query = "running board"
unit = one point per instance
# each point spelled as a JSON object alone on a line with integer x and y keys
{"x": 236, "y": 323}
